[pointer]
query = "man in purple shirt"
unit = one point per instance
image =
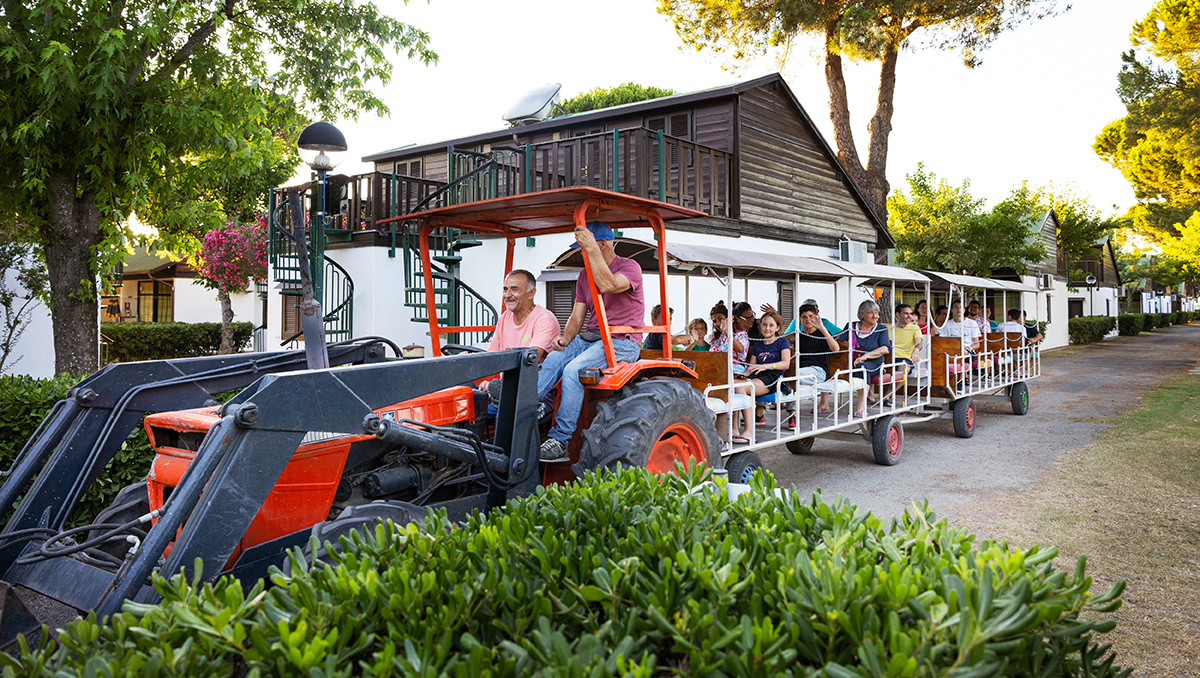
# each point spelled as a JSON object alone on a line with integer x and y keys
{"x": 619, "y": 281}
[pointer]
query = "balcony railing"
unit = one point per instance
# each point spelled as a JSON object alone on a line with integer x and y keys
{"x": 637, "y": 161}
{"x": 632, "y": 161}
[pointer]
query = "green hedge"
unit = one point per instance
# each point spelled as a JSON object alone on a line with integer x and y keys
{"x": 625, "y": 575}
{"x": 1129, "y": 324}
{"x": 25, "y": 401}
{"x": 1089, "y": 329}
{"x": 160, "y": 341}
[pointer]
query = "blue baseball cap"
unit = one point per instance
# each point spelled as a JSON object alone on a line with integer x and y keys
{"x": 600, "y": 231}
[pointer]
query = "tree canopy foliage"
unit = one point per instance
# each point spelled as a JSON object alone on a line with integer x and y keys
{"x": 941, "y": 227}
{"x": 602, "y": 97}
{"x": 867, "y": 30}
{"x": 1156, "y": 146}
{"x": 178, "y": 110}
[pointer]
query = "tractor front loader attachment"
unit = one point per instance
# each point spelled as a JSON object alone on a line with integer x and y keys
{"x": 240, "y": 459}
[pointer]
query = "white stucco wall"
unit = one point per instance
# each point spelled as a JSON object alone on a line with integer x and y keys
{"x": 33, "y": 353}
{"x": 195, "y": 303}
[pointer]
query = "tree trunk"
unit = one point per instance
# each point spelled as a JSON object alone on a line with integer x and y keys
{"x": 226, "y": 323}
{"x": 879, "y": 128}
{"x": 839, "y": 114}
{"x": 71, "y": 235}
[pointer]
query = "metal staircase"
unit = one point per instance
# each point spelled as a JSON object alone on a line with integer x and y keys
{"x": 473, "y": 177}
{"x": 332, "y": 283}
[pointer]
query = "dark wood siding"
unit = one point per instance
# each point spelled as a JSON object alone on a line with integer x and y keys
{"x": 786, "y": 179}
{"x": 1048, "y": 233}
{"x": 713, "y": 125}
{"x": 1110, "y": 278}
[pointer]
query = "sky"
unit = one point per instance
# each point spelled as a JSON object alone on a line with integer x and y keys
{"x": 1031, "y": 111}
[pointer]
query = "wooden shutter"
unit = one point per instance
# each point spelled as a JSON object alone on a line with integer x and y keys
{"x": 291, "y": 316}
{"x": 787, "y": 304}
{"x": 560, "y": 299}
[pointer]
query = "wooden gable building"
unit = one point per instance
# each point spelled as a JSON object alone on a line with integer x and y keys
{"x": 747, "y": 154}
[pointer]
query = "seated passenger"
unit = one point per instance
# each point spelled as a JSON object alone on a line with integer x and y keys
{"x": 906, "y": 338}
{"x": 939, "y": 318}
{"x": 697, "y": 329}
{"x": 1033, "y": 331}
{"x": 922, "y": 315}
{"x": 719, "y": 340}
{"x": 957, "y": 326}
{"x": 813, "y": 349}
{"x": 619, "y": 281}
{"x": 522, "y": 323}
{"x": 869, "y": 344}
{"x": 654, "y": 340}
{"x": 831, "y": 327}
{"x": 1013, "y": 324}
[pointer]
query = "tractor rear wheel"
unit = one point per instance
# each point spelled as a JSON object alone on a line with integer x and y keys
{"x": 650, "y": 424}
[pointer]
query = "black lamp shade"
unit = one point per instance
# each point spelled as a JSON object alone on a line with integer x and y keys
{"x": 321, "y": 136}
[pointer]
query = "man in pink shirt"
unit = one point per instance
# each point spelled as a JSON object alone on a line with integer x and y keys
{"x": 619, "y": 281}
{"x": 522, "y": 324}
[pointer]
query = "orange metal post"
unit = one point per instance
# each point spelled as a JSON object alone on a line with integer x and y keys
{"x": 508, "y": 254}
{"x": 660, "y": 231}
{"x": 597, "y": 301}
{"x": 435, "y": 338}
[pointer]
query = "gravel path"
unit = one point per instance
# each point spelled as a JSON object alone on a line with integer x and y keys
{"x": 1078, "y": 389}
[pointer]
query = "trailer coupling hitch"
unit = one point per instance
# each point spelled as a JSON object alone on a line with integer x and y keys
{"x": 454, "y": 443}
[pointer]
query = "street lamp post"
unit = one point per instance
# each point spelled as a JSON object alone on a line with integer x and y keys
{"x": 321, "y": 146}
{"x": 1091, "y": 282}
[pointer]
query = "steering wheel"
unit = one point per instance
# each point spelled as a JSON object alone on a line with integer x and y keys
{"x": 455, "y": 349}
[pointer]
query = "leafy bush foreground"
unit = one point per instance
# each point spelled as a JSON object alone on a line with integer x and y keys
{"x": 627, "y": 574}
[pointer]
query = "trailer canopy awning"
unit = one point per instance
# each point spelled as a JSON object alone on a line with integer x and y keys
{"x": 686, "y": 259}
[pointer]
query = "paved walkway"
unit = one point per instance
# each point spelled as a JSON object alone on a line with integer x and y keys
{"x": 1078, "y": 389}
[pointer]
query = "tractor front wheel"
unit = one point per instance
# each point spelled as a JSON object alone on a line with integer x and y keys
{"x": 650, "y": 424}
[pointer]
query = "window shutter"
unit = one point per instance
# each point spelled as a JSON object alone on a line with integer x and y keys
{"x": 679, "y": 126}
{"x": 291, "y": 316}
{"x": 560, "y": 299}
{"x": 787, "y": 304}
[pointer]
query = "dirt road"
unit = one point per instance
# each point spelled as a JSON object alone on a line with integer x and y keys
{"x": 1078, "y": 389}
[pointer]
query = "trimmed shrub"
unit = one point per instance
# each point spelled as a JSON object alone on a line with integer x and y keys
{"x": 629, "y": 574}
{"x": 1089, "y": 329}
{"x": 1164, "y": 319}
{"x": 1150, "y": 322}
{"x": 1179, "y": 318}
{"x": 161, "y": 341}
{"x": 1129, "y": 324}
{"x": 25, "y": 402}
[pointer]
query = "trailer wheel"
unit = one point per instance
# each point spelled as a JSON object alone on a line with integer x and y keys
{"x": 1020, "y": 398}
{"x": 133, "y": 501}
{"x": 650, "y": 424}
{"x": 964, "y": 417}
{"x": 801, "y": 446}
{"x": 742, "y": 466}
{"x": 887, "y": 440}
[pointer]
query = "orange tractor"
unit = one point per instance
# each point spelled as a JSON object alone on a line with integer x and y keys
{"x": 301, "y": 453}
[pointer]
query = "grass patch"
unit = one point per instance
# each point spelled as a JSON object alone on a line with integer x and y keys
{"x": 1130, "y": 502}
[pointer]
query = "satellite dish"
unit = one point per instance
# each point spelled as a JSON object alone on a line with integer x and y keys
{"x": 535, "y": 106}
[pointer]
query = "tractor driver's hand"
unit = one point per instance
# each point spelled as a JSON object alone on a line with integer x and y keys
{"x": 560, "y": 342}
{"x": 584, "y": 237}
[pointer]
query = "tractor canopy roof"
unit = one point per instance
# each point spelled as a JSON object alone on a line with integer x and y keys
{"x": 547, "y": 212}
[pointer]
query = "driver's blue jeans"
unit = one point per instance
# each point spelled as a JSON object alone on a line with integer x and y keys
{"x": 565, "y": 364}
